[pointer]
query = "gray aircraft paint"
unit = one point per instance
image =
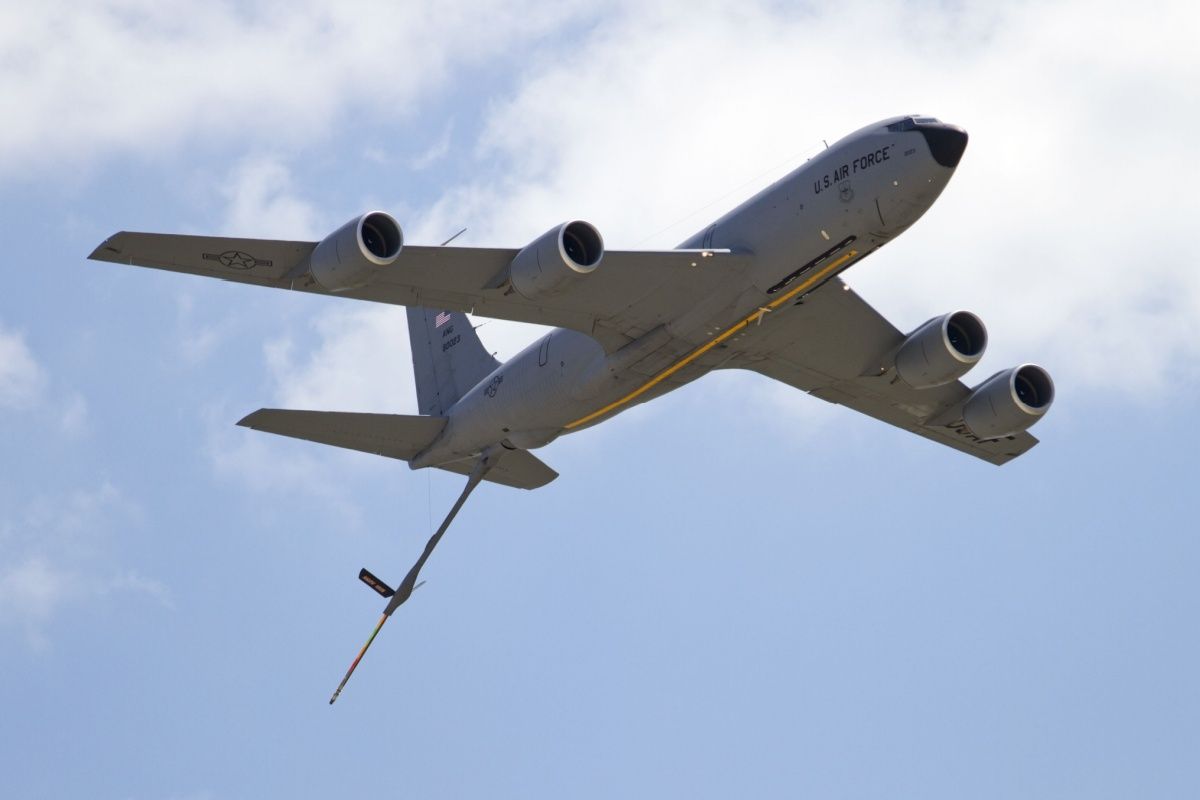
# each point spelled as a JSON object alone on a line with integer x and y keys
{"x": 870, "y": 185}
{"x": 647, "y": 322}
{"x": 448, "y": 358}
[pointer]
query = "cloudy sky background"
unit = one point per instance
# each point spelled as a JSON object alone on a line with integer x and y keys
{"x": 734, "y": 590}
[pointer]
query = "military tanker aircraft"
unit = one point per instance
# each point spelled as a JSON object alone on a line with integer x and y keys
{"x": 758, "y": 289}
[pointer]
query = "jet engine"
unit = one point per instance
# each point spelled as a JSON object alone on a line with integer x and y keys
{"x": 350, "y": 256}
{"x": 1008, "y": 402}
{"x": 556, "y": 259}
{"x": 941, "y": 350}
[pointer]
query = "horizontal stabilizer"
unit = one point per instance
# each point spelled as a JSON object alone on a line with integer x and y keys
{"x": 398, "y": 436}
{"x": 519, "y": 469}
{"x": 393, "y": 435}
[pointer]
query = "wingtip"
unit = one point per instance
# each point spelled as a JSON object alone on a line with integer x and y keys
{"x": 107, "y": 251}
{"x": 553, "y": 477}
{"x": 248, "y": 420}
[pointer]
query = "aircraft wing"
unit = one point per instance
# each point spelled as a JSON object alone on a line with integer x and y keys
{"x": 630, "y": 293}
{"x": 831, "y": 346}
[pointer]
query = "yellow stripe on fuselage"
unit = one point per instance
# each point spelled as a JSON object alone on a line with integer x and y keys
{"x": 704, "y": 348}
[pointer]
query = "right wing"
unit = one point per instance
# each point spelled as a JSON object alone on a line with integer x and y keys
{"x": 629, "y": 294}
{"x": 831, "y": 346}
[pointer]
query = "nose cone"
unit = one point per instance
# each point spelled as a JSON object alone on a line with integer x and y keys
{"x": 946, "y": 142}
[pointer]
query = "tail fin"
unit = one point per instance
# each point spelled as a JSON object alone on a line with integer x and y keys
{"x": 448, "y": 358}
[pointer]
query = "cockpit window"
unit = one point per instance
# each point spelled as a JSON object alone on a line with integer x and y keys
{"x": 911, "y": 123}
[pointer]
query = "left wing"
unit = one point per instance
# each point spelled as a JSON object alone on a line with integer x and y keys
{"x": 831, "y": 346}
{"x": 629, "y": 294}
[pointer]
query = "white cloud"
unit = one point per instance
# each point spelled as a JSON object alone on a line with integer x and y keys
{"x": 263, "y": 202}
{"x": 82, "y": 80}
{"x": 131, "y": 581}
{"x": 74, "y": 418}
{"x": 31, "y": 591}
{"x": 21, "y": 378}
{"x": 266, "y": 464}
{"x": 80, "y": 517}
{"x": 252, "y": 460}
{"x": 35, "y": 590}
{"x": 1062, "y": 227}
{"x": 23, "y": 385}
{"x": 201, "y": 330}
{"x": 361, "y": 364}
{"x": 56, "y": 554}
{"x": 758, "y": 406}
{"x": 436, "y": 151}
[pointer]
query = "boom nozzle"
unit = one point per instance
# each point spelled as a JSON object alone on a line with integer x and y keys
{"x": 410, "y": 584}
{"x": 358, "y": 658}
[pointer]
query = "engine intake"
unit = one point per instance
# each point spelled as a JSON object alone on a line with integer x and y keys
{"x": 350, "y": 256}
{"x": 1009, "y": 402}
{"x": 941, "y": 350}
{"x": 556, "y": 259}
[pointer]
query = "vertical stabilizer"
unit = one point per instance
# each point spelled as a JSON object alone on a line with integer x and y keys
{"x": 448, "y": 358}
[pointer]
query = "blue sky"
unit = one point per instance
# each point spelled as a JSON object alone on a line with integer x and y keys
{"x": 735, "y": 590}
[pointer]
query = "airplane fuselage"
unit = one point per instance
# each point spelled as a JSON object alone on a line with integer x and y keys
{"x": 820, "y": 219}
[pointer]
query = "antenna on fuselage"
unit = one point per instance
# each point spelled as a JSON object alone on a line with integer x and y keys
{"x": 464, "y": 230}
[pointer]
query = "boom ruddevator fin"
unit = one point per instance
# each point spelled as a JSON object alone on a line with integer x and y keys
{"x": 397, "y": 597}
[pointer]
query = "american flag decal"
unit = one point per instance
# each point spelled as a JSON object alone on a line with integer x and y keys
{"x": 441, "y": 319}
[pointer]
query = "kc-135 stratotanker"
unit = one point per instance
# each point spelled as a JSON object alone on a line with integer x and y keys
{"x": 758, "y": 289}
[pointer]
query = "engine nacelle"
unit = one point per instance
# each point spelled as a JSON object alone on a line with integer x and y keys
{"x": 941, "y": 350}
{"x": 556, "y": 259}
{"x": 350, "y": 256}
{"x": 1009, "y": 402}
